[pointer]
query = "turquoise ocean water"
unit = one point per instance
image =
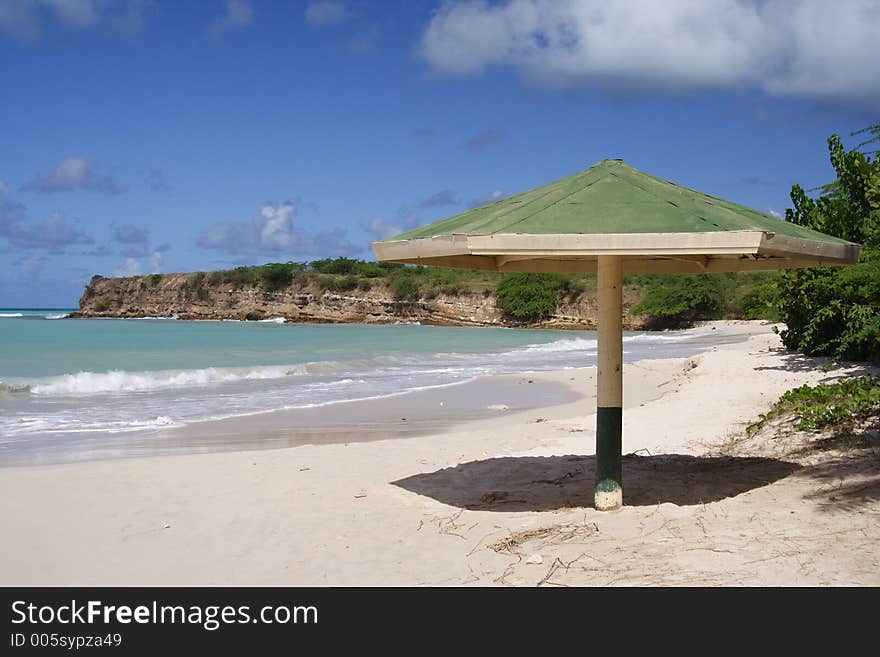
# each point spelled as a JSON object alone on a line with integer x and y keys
{"x": 61, "y": 376}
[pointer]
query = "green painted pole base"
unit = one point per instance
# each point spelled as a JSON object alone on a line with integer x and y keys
{"x": 609, "y": 471}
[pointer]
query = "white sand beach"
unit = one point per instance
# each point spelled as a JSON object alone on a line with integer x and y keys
{"x": 500, "y": 501}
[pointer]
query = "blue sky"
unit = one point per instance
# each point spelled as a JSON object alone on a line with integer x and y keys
{"x": 154, "y": 135}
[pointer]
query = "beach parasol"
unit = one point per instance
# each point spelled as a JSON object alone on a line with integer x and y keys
{"x": 611, "y": 219}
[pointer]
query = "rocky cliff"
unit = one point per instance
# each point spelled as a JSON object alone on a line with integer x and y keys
{"x": 176, "y": 295}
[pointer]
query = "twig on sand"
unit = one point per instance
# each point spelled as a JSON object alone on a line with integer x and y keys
{"x": 447, "y": 525}
{"x": 512, "y": 542}
{"x": 556, "y": 565}
{"x": 554, "y": 534}
{"x": 479, "y": 544}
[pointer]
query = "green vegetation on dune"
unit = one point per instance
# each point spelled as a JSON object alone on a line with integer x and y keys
{"x": 816, "y": 407}
{"x": 835, "y": 311}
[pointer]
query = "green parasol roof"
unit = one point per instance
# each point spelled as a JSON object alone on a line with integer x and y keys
{"x": 615, "y": 209}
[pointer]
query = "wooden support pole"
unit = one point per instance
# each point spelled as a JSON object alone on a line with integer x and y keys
{"x": 609, "y": 416}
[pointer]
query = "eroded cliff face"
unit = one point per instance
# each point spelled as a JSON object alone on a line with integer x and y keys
{"x": 174, "y": 295}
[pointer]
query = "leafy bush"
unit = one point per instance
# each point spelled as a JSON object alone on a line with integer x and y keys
{"x": 826, "y": 404}
{"x": 347, "y": 283}
{"x": 755, "y": 296}
{"x": 405, "y": 288}
{"x": 276, "y": 276}
{"x": 836, "y": 312}
{"x": 197, "y": 282}
{"x": 155, "y": 279}
{"x": 337, "y": 283}
{"x": 335, "y": 266}
{"x": 347, "y": 266}
{"x": 238, "y": 277}
{"x": 529, "y": 297}
{"x": 675, "y": 300}
{"x": 102, "y": 305}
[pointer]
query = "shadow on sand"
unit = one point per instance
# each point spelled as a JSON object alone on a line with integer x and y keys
{"x": 792, "y": 361}
{"x": 532, "y": 483}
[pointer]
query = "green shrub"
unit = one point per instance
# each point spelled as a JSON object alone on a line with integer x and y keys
{"x": 335, "y": 266}
{"x": 347, "y": 283}
{"x": 102, "y": 305}
{"x": 325, "y": 282}
{"x": 826, "y": 404}
{"x": 681, "y": 299}
{"x": 276, "y": 276}
{"x": 405, "y": 288}
{"x": 529, "y": 297}
{"x": 836, "y": 312}
{"x": 756, "y": 296}
{"x": 155, "y": 279}
{"x": 238, "y": 277}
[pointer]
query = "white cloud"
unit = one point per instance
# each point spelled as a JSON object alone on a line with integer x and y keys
{"x": 272, "y": 232}
{"x": 380, "y": 228}
{"x": 25, "y": 19}
{"x": 774, "y": 213}
{"x": 326, "y": 12}
{"x": 131, "y": 234}
{"x": 76, "y": 13}
{"x": 132, "y": 268}
{"x": 239, "y": 13}
{"x": 136, "y": 265}
{"x": 806, "y": 48}
{"x": 156, "y": 262}
{"x": 73, "y": 173}
{"x": 53, "y": 233}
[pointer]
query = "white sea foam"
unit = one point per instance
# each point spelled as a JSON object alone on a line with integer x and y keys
{"x": 272, "y": 320}
{"x": 11, "y": 314}
{"x": 59, "y": 316}
{"x": 591, "y": 344}
{"x": 672, "y": 336}
{"x": 87, "y": 383}
{"x": 14, "y": 389}
{"x": 567, "y": 344}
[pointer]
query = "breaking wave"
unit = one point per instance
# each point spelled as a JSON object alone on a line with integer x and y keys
{"x": 86, "y": 383}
